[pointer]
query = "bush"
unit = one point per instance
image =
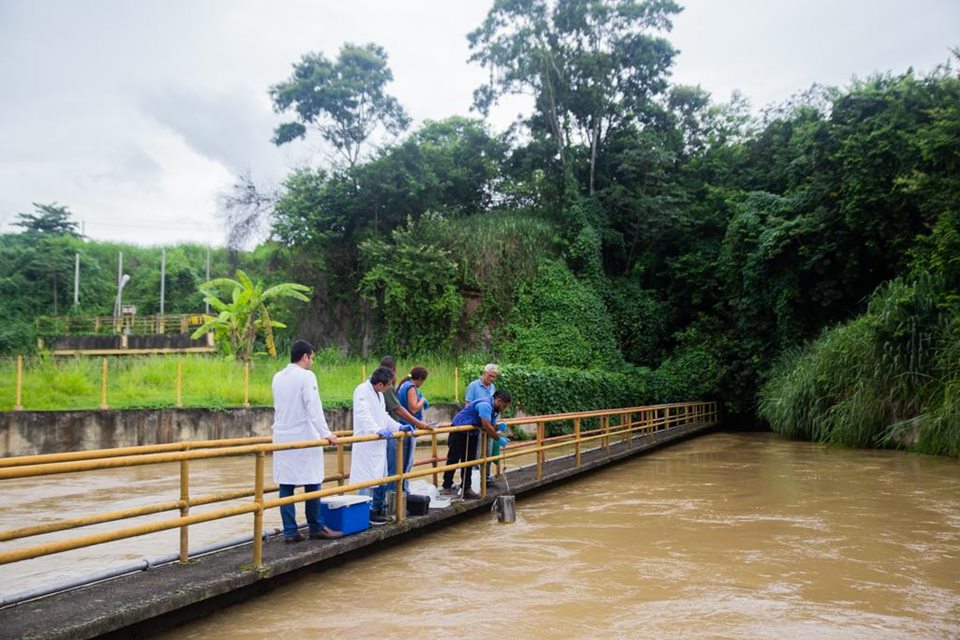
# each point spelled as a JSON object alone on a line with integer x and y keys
{"x": 888, "y": 378}
{"x": 545, "y": 390}
{"x": 560, "y": 322}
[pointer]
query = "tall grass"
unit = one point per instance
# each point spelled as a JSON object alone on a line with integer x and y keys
{"x": 888, "y": 378}
{"x": 208, "y": 381}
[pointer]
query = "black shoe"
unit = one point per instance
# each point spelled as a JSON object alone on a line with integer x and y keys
{"x": 378, "y": 518}
{"x": 291, "y": 539}
{"x": 470, "y": 495}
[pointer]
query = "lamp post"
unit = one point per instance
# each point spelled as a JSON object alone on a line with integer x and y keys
{"x": 120, "y": 285}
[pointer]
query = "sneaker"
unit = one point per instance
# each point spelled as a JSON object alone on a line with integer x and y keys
{"x": 291, "y": 539}
{"x": 469, "y": 494}
{"x": 378, "y": 518}
{"x": 450, "y": 491}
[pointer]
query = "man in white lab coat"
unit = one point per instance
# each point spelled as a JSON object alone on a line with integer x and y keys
{"x": 369, "y": 459}
{"x": 298, "y": 416}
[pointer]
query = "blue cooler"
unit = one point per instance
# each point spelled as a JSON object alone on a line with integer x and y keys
{"x": 349, "y": 514}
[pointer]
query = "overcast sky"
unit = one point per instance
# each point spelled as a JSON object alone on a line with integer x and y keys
{"x": 136, "y": 114}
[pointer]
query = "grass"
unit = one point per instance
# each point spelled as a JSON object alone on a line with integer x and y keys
{"x": 207, "y": 382}
{"x": 890, "y": 378}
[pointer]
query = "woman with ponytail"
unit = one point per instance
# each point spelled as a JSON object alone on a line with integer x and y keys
{"x": 411, "y": 398}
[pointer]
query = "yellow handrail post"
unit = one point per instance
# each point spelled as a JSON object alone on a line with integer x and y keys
{"x": 539, "y": 451}
{"x": 433, "y": 454}
{"x": 184, "y": 510}
{"x": 258, "y": 514}
{"x": 17, "y": 406}
{"x": 363, "y": 372}
{"x": 401, "y": 507}
{"x": 576, "y": 436}
{"x": 246, "y": 384}
{"x": 179, "y": 383}
{"x": 605, "y": 421}
{"x": 627, "y": 423}
{"x": 103, "y": 387}
{"x": 483, "y": 465}
{"x": 340, "y": 473}
{"x": 456, "y": 385}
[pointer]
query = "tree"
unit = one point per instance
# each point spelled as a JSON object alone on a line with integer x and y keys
{"x": 415, "y": 285}
{"x": 344, "y": 100}
{"x": 50, "y": 238}
{"x": 245, "y": 210}
{"x": 50, "y": 219}
{"x": 591, "y": 65}
{"x": 240, "y": 319}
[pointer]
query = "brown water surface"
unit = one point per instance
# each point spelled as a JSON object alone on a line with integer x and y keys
{"x": 47, "y": 499}
{"x": 723, "y": 536}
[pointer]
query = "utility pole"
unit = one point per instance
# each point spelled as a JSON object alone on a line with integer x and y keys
{"x": 206, "y": 308}
{"x": 76, "y": 280}
{"x": 163, "y": 277}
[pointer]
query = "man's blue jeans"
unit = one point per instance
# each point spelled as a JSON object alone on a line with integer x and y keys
{"x": 409, "y": 446}
{"x": 379, "y": 494}
{"x": 288, "y": 512}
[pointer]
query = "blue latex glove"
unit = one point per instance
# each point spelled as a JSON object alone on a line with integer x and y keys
{"x": 502, "y": 427}
{"x": 385, "y": 433}
{"x": 407, "y": 428}
{"x": 503, "y": 441}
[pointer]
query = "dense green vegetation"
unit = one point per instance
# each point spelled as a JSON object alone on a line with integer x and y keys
{"x": 627, "y": 239}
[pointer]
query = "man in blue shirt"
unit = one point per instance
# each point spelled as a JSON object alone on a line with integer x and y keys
{"x": 483, "y": 386}
{"x": 462, "y": 445}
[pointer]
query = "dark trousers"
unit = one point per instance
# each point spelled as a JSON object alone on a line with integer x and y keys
{"x": 461, "y": 447}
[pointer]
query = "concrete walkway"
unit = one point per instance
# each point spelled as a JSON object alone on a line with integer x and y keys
{"x": 142, "y": 603}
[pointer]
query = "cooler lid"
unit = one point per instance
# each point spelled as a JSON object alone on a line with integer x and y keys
{"x": 335, "y": 502}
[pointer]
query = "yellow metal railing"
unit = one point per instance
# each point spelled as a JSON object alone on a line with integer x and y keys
{"x": 610, "y": 424}
{"x": 107, "y": 325}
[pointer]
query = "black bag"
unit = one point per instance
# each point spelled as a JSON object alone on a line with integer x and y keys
{"x": 417, "y": 505}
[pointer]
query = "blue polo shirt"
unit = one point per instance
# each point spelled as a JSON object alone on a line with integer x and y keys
{"x": 472, "y": 413}
{"x": 476, "y": 391}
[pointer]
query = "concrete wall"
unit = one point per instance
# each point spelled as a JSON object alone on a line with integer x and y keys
{"x": 34, "y": 432}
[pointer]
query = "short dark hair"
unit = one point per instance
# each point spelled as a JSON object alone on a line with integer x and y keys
{"x": 383, "y": 375}
{"x": 299, "y": 349}
{"x": 503, "y": 395}
{"x": 388, "y": 362}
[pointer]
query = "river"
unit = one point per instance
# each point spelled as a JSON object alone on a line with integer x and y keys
{"x": 723, "y": 536}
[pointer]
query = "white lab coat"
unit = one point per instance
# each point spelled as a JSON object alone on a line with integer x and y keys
{"x": 298, "y": 416}
{"x": 369, "y": 459}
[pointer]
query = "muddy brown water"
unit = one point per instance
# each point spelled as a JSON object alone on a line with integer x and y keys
{"x": 34, "y": 501}
{"x": 722, "y": 536}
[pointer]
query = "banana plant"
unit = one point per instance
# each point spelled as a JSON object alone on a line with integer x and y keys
{"x": 239, "y": 320}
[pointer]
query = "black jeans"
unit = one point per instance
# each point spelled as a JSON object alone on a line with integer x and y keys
{"x": 461, "y": 447}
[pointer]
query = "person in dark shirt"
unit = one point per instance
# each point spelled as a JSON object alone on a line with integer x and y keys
{"x": 462, "y": 445}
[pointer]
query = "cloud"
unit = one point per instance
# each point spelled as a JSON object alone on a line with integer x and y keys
{"x": 137, "y": 115}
